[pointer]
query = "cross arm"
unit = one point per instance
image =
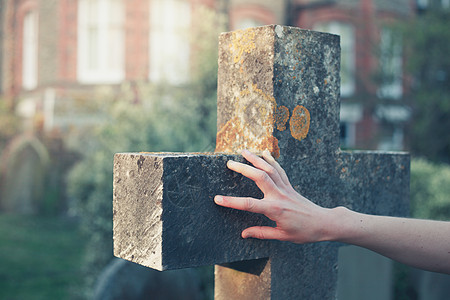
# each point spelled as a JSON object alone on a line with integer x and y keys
{"x": 164, "y": 216}
{"x": 374, "y": 182}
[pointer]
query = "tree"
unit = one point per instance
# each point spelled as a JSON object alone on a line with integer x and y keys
{"x": 428, "y": 42}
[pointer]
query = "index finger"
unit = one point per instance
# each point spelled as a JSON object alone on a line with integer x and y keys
{"x": 242, "y": 203}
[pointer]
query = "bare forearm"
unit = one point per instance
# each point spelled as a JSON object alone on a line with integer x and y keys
{"x": 420, "y": 243}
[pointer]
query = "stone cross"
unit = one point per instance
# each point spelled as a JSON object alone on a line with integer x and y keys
{"x": 278, "y": 89}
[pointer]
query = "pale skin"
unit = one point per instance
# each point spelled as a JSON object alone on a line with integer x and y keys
{"x": 423, "y": 244}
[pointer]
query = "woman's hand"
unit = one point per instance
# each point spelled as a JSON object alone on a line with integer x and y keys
{"x": 298, "y": 219}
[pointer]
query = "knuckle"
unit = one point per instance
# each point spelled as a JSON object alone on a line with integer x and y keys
{"x": 258, "y": 233}
{"x": 271, "y": 170}
{"x": 249, "y": 204}
{"x": 262, "y": 176}
{"x": 261, "y": 235}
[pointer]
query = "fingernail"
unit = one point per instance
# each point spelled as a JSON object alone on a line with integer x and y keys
{"x": 267, "y": 155}
{"x": 245, "y": 152}
{"x": 218, "y": 199}
{"x": 230, "y": 163}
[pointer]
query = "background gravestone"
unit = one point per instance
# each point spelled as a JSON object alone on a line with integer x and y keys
{"x": 124, "y": 280}
{"x": 24, "y": 165}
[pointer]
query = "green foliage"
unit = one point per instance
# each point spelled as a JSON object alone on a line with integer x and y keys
{"x": 428, "y": 41}
{"x": 430, "y": 190}
{"x": 148, "y": 118}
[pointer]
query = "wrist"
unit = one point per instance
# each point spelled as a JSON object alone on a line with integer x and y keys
{"x": 337, "y": 225}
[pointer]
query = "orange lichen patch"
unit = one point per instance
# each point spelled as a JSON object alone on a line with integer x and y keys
{"x": 299, "y": 123}
{"x": 232, "y": 135}
{"x": 325, "y": 82}
{"x": 281, "y": 117}
{"x": 242, "y": 41}
{"x": 270, "y": 143}
{"x": 318, "y": 141}
{"x": 228, "y": 133}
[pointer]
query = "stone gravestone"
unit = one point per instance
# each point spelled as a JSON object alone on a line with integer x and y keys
{"x": 278, "y": 89}
{"x": 23, "y": 167}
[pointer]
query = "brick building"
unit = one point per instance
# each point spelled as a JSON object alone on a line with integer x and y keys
{"x": 56, "y": 51}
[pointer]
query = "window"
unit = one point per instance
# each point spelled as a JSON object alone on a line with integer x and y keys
{"x": 169, "y": 43}
{"x": 391, "y": 138}
{"x": 350, "y": 115}
{"x": 422, "y": 4}
{"x": 347, "y": 134}
{"x": 347, "y": 53}
{"x": 426, "y": 4}
{"x": 391, "y": 85}
{"x": 100, "y": 41}
{"x": 30, "y": 51}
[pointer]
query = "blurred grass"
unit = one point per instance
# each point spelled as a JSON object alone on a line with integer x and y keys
{"x": 40, "y": 257}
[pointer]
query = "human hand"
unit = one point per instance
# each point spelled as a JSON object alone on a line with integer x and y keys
{"x": 298, "y": 220}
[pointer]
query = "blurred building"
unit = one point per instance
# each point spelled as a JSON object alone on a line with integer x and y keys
{"x": 55, "y": 52}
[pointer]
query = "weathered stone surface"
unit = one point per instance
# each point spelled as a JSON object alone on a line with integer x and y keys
{"x": 278, "y": 85}
{"x": 243, "y": 280}
{"x": 165, "y": 217}
{"x": 371, "y": 182}
{"x": 278, "y": 90}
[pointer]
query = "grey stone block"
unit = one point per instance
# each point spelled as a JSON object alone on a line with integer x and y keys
{"x": 278, "y": 89}
{"x": 165, "y": 217}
